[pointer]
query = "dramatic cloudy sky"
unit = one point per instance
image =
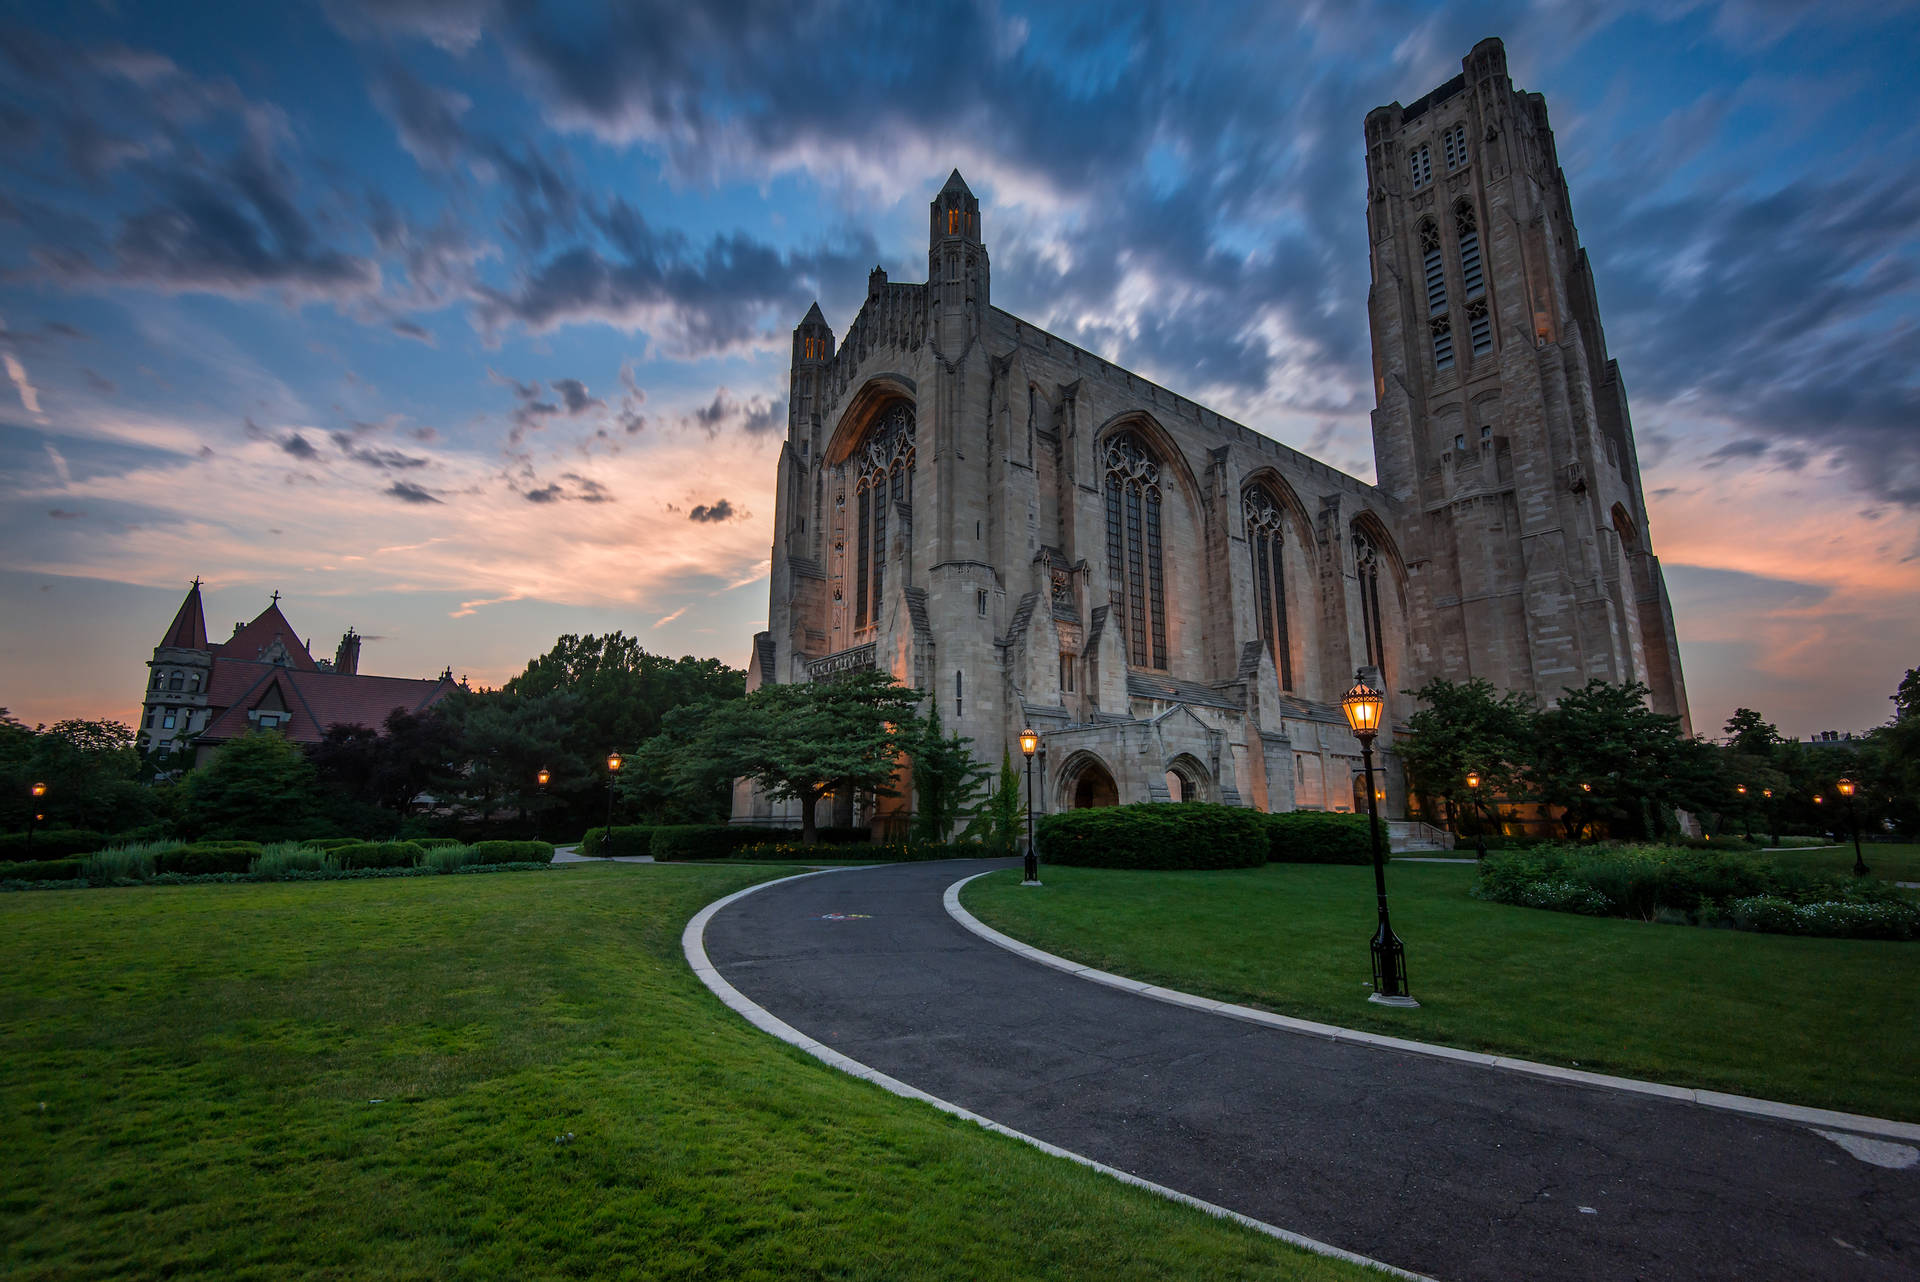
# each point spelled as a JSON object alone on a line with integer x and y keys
{"x": 464, "y": 322}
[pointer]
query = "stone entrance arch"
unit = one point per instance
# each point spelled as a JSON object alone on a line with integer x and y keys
{"x": 1086, "y": 783}
{"x": 1188, "y": 780}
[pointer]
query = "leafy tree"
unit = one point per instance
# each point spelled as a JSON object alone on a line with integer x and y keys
{"x": 259, "y": 787}
{"x": 1629, "y": 756}
{"x": 1466, "y": 726}
{"x": 800, "y": 742}
{"x": 90, "y": 769}
{"x": 1000, "y": 823}
{"x": 946, "y": 778}
{"x": 681, "y": 775}
{"x": 1750, "y": 735}
{"x": 390, "y": 768}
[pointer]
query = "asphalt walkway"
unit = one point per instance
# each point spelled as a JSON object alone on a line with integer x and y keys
{"x": 1443, "y": 1168}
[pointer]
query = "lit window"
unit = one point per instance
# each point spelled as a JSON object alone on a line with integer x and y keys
{"x": 1265, "y": 526}
{"x": 1420, "y": 163}
{"x": 953, "y": 222}
{"x": 1137, "y": 585}
{"x": 885, "y": 467}
{"x": 1454, "y": 142}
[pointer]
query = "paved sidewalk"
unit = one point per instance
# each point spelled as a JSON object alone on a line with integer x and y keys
{"x": 1445, "y": 1168}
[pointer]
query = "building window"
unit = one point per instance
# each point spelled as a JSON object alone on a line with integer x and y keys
{"x": 982, "y": 601}
{"x": 166, "y": 722}
{"x": 1459, "y": 440}
{"x": 1434, "y": 269}
{"x": 1473, "y": 279}
{"x": 175, "y": 681}
{"x": 1366, "y": 561}
{"x": 1265, "y": 526}
{"x": 885, "y": 480}
{"x": 153, "y": 717}
{"x": 1454, "y": 142}
{"x": 953, "y": 222}
{"x": 959, "y": 697}
{"x": 1420, "y": 164}
{"x": 158, "y": 678}
{"x": 1066, "y": 674}
{"x": 1479, "y": 327}
{"x": 1486, "y": 436}
{"x": 1137, "y": 584}
{"x": 193, "y": 683}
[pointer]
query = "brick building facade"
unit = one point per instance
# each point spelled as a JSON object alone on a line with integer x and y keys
{"x": 1035, "y": 536}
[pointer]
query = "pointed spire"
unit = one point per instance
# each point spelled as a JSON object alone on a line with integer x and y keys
{"x": 189, "y": 628}
{"x": 813, "y": 316}
{"x": 956, "y": 183}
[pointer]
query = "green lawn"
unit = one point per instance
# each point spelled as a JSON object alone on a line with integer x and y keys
{"x": 1827, "y": 1022}
{"x": 364, "y": 1079}
{"x": 1893, "y": 862}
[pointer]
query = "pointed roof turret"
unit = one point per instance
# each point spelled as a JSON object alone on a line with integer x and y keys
{"x": 813, "y": 316}
{"x": 956, "y": 183}
{"x": 189, "y": 628}
{"x": 954, "y": 213}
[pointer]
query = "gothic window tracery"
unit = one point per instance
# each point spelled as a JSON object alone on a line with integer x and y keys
{"x": 1420, "y": 165}
{"x": 883, "y": 472}
{"x": 1366, "y": 563}
{"x": 1265, "y": 536}
{"x": 1473, "y": 279}
{"x": 1439, "y": 323}
{"x": 1454, "y": 142}
{"x": 1137, "y": 593}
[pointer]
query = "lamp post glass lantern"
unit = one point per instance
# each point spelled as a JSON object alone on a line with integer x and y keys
{"x": 1846, "y": 792}
{"x": 1030, "y": 744}
{"x": 541, "y": 777}
{"x": 1479, "y": 816}
{"x": 38, "y": 790}
{"x": 613, "y": 772}
{"x": 1364, "y": 706}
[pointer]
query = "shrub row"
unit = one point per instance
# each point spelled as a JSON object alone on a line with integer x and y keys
{"x": 1318, "y": 837}
{"x": 1703, "y": 886}
{"x": 1192, "y": 835}
{"x": 628, "y": 841}
{"x": 69, "y": 869}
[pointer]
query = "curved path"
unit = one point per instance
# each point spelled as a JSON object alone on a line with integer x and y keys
{"x": 1445, "y": 1168}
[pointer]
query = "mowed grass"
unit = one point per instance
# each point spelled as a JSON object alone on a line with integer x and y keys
{"x": 1885, "y": 860}
{"x": 365, "y": 1079}
{"x": 1826, "y": 1022}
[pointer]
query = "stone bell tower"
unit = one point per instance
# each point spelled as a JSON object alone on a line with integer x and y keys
{"x": 1500, "y": 421}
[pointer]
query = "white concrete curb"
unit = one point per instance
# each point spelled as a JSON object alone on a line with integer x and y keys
{"x": 693, "y": 943}
{"x": 1708, "y": 1099}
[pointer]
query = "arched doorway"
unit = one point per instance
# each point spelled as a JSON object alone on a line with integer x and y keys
{"x": 1187, "y": 780}
{"x": 1092, "y": 786}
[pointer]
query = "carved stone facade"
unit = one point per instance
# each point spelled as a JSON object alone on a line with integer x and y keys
{"x": 1032, "y": 535}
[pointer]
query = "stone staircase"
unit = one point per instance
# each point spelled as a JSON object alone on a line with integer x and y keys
{"x": 1407, "y": 836}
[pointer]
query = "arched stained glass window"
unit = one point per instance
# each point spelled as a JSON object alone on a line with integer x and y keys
{"x": 1473, "y": 278}
{"x": 883, "y": 470}
{"x": 1138, "y": 584}
{"x": 1265, "y": 536}
{"x": 1366, "y": 562}
{"x": 1438, "y": 321}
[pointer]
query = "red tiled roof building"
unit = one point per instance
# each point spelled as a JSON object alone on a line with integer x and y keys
{"x": 263, "y": 678}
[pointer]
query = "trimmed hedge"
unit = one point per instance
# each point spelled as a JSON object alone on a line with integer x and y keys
{"x": 379, "y": 854}
{"x": 72, "y": 868}
{"x": 1190, "y": 835}
{"x": 510, "y": 852}
{"x": 199, "y": 858}
{"x": 50, "y": 843}
{"x": 633, "y": 840}
{"x": 1318, "y": 837}
{"x": 702, "y": 841}
{"x": 334, "y": 843}
{"x": 1704, "y": 887}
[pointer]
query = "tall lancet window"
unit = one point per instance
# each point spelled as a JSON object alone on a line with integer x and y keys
{"x": 1473, "y": 278}
{"x": 1265, "y": 524}
{"x": 884, "y": 481}
{"x": 1438, "y": 322}
{"x": 1366, "y": 563}
{"x": 1138, "y": 592}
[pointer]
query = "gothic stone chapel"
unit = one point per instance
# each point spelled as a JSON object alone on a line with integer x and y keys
{"x": 1034, "y": 536}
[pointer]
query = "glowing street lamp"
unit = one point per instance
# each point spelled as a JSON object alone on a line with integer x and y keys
{"x": 1479, "y": 817}
{"x": 1030, "y": 744}
{"x": 613, "y": 772}
{"x": 1364, "y": 706}
{"x": 540, "y": 777}
{"x": 1846, "y": 790}
{"x": 1773, "y": 814}
{"x": 38, "y": 790}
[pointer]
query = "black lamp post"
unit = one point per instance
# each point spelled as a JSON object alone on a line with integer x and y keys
{"x": 541, "y": 777}
{"x": 1364, "y": 706}
{"x": 1746, "y": 815}
{"x": 1846, "y": 791}
{"x": 38, "y": 790}
{"x": 1479, "y": 817}
{"x": 613, "y": 772}
{"x": 1773, "y": 814}
{"x": 1030, "y": 744}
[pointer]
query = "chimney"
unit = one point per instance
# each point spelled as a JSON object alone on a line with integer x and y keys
{"x": 347, "y": 658}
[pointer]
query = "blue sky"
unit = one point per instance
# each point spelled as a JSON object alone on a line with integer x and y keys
{"x": 465, "y": 323}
